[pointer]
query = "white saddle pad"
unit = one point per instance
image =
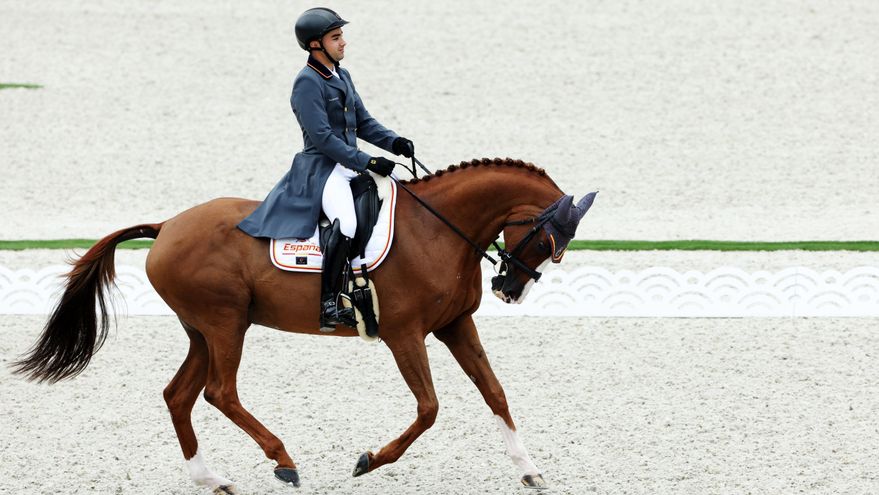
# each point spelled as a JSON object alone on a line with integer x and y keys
{"x": 304, "y": 255}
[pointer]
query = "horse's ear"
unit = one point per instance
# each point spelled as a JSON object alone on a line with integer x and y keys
{"x": 564, "y": 210}
{"x": 584, "y": 203}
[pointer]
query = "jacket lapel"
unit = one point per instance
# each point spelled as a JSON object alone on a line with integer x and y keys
{"x": 349, "y": 88}
{"x": 338, "y": 84}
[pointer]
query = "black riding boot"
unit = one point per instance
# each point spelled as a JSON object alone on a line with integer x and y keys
{"x": 335, "y": 252}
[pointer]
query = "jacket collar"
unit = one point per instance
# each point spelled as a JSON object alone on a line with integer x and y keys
{"x": 320, "y": 68}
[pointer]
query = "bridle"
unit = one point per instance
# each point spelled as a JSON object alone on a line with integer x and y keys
{"x": 507, "y": 257}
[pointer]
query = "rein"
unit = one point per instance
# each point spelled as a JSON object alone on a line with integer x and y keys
{"x": 452, "y": 226}
{"x": 505, "y": 256}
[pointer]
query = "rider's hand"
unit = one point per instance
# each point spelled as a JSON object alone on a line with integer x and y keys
{"x": 403, "y": 146}
{"x": 380, "y": 165}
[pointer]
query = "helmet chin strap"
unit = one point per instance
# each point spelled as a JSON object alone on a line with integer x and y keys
{"x": 322, "y": 49}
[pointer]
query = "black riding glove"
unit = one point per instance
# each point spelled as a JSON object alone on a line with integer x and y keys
{"x": 381, "y": 166}
{"x": 403, "y": 146}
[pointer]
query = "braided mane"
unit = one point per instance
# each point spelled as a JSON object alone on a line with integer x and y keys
{"x": 484, "y": 162}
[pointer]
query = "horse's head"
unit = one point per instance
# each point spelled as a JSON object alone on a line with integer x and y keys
{"x": 532, "y": 243}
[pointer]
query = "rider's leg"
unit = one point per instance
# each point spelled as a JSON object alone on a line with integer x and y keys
{"x": 338, "y": 204}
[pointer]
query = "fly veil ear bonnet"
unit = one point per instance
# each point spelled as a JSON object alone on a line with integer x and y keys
{"x": 563, "y": 225}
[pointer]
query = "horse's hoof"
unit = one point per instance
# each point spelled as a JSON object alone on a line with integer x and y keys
{"x": 225, "y": 490}
{"x": 535, "y": 482}
{"x": 287, "y": 475}
{"x": 362, "y": 466}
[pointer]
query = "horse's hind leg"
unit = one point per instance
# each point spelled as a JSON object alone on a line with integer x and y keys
{"x": 224, "y": 346}
{"x": 180, "y": 396}
{"x": 463, "y": 342}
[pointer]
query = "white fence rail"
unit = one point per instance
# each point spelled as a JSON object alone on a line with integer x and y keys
{"x": 585, "y": 291}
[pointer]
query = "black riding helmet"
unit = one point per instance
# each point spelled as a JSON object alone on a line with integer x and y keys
{"x": 314, "y": 23}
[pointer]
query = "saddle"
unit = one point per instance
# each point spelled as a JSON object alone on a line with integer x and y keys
{"x": 304, "y": 255}
{"x": 375, "y": 200}
{"x": 367, "y": 205}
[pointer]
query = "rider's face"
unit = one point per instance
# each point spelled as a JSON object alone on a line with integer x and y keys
{"x": 334, "y": 43}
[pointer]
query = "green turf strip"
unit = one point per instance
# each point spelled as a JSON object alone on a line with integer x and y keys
{"x": 702, "y": 245}
{"x": 67, "y": 244}
{"x": 576, "y": 245}
{"x": 19, "y": 85}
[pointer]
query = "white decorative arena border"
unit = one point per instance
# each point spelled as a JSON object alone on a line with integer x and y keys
{"x": 29, "y": 291}
{"x": 586, "y": 291}
{"x": 722, "y": 292}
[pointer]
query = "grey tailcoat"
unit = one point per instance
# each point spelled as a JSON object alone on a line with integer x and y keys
{"x": 332, "y": 117}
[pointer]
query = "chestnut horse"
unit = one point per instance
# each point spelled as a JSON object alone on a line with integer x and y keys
{"x": 219, "y": 281}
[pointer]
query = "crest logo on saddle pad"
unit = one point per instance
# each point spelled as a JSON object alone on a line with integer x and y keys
{"x": 296, "y": 248}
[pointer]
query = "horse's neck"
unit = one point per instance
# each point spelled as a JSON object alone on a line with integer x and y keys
{"x": 480, "y": 199}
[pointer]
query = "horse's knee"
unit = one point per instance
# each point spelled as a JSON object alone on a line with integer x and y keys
{"x": 427, "y": 412}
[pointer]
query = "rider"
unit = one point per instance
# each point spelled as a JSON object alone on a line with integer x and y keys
{"x": 332, "y": 117}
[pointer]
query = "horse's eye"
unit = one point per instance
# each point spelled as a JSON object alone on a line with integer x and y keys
{"x": 541, "y": 246}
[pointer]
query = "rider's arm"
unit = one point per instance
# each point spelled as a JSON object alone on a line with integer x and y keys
{"x": 309, "y": 106}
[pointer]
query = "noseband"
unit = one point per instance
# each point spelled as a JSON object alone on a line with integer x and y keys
{"x": 512, "y": 257}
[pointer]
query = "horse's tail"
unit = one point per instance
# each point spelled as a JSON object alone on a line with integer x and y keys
{"x": 74, "y": 331}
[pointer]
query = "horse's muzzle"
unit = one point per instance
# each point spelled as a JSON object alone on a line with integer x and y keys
{"x": 505, "y": 294}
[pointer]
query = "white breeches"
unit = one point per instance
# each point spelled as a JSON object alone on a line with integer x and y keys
{"x": 337, "y": 200}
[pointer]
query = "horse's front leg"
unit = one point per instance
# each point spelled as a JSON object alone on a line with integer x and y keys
{"x": 463, "y": 342}
{"x": 411, "y": 357}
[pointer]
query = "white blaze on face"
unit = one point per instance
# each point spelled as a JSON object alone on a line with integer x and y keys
{"x": 531, "y": 281}
{"x": 510, "y": 300}
{"x": 203, "y": 476}
{"x": 516, "y": 449}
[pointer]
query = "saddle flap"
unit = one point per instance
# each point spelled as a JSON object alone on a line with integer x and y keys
{"x": 367, "y": 206}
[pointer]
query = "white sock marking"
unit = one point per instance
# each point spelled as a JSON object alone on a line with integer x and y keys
{"x": 203, "y": 476}
{"x": 516, "y": 449}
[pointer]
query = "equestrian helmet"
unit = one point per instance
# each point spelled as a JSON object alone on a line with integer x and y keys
{"x": 314, "y": 23}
